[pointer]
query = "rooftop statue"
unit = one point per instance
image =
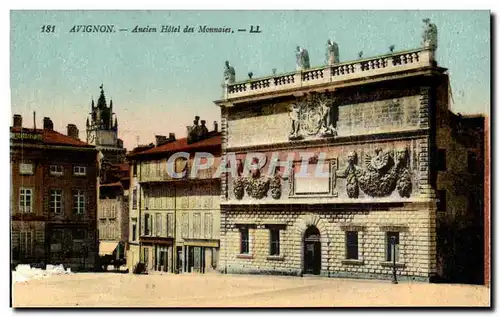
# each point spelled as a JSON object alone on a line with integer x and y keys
{"x": 430, "y": 35}
{"x": 332, "y": 53}
{"x": 302, "y": 58}
{"x": 229, "y": 74}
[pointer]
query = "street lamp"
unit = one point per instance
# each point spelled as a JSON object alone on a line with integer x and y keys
{"x": 393, "y": 243}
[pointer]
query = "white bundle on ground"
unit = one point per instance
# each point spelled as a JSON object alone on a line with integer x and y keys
{"x": 24, "y": 272}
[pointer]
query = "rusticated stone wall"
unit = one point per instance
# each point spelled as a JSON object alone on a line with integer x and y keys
{"x": 416, "y": 224}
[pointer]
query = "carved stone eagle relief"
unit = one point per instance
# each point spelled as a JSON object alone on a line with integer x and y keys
{"x": 381, "y": 174}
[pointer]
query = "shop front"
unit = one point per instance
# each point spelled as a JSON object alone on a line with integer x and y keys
{"x": 157, "y": 254}
{"x": 199, "y": 256}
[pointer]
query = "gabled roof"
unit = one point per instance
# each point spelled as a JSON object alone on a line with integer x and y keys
{"x": 181, "y": 145}
{"x": 51, "y": 137}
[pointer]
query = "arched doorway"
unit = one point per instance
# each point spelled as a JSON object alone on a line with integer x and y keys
{"x": 312, "y": 251}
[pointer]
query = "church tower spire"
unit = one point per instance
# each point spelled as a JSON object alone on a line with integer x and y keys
{"x": 102, "y": 124}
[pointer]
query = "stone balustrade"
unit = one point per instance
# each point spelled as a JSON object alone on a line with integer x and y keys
{"x": 362, "y": 68}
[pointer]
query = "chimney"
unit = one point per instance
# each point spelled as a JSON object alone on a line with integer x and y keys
{"x": 216, "y": 126}
{"x": 18, "y": 121}
{"x": 161, "y": 139}
{"x": 73, "y": 131}
{"x": 47, "y": 124}
{"x": 171, "y": 136}
{"x": 196, "y": 119}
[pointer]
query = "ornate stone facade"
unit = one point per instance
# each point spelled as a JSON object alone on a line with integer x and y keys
{"x": 373, "y": 136}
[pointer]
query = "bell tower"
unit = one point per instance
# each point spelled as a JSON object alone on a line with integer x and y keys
{"x": 102, "y": 128}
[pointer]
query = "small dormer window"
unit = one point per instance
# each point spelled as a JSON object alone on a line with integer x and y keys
{"x": 56, "y": 170}
{"x": 79, "y": 170}
{"x": 26, "y": 168}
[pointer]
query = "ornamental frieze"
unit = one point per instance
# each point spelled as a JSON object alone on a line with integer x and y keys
{"x": 257, "y": 186}
{"x": 380, "y": 174}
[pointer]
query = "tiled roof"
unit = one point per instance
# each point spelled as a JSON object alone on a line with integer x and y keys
{"x": 52, "y": 137}
{"x": 182, "y": 145}
{"x": 122, "y": 167}
{"x": 114, "y": 184}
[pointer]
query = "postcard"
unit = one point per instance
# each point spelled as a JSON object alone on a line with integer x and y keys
{"x": 250, "y": 159}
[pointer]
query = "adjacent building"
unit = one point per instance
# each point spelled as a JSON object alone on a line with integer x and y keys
{"x": 102, "y": 131}
{"x": 174, "y": 222}
{"x": 112, "y": 214}
{"x": 394, "y": 162}
{"x": 53, "y": 196}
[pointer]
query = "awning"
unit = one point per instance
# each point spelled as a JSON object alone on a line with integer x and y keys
{"x": 106, "y": 248}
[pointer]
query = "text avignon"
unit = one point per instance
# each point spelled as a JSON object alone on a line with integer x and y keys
{"x": 91, "y": 28}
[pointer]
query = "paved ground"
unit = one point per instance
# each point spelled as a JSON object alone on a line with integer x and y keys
{"x": 128, "y": 290}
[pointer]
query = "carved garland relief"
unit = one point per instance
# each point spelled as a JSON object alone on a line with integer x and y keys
{"x": 256, "y": 185}
{"x": 381, "y": 175}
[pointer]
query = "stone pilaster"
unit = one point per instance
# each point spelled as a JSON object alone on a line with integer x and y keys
{"x": 424, "y": 107}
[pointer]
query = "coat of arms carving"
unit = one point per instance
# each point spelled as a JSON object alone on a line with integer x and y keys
{"x": 312, "y": 116}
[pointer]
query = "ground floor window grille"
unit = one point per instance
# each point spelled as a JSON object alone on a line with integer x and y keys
{"x": 390, "y": 236}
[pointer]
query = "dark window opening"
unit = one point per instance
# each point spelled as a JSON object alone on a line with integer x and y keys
{"x": 471, "y": 162}
{"x": 244, "y": 241}
{"x": 351, "y": 245}
{"x": 390, "y": 237}
{"x": 441, "y": 160}
{"x": 274, "y": 240}
{"x": 441, "y": 203}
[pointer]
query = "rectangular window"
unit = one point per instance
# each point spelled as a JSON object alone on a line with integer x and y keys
{"x": 26, "y": 169}
{"x": 471, "y": 162}
{"x": 351, "y": 238}
{"x": 147, "y": 227}
{"x": 158, "y": 167}
{"x": 79, "y": 234}
{"x": 56, "y": 170}
{"x": 78, "y": 202}
{"x": 79, "y": 170}
{"x": 392, "y": 238}
{"x": 134, "y": 171}
{"x": 274, "y": 241}
{"x": 244, "y": 241}
{"x": 158, "y": 224}
{"x": 170, "y": 228}
{"x": 134, "y": 198}
{"x": 56, "y": 201}
{"x": 441, "y": 197}
{"x": 26, "y": 243}
{"x": 56, "y": 240}
{"x": 441, "y": 160}
{"x": 134, "y": 229}
{"x": 145, "y": 255}
{"x": 25, "y": 199}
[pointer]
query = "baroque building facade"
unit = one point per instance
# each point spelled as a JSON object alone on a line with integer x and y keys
{"x": 174, "y": 222}
{"x": 53, "y": 197}
{"x": 376, "y": 130}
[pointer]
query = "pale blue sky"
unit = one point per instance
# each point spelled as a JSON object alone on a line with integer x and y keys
{"x": 159, "y": 82}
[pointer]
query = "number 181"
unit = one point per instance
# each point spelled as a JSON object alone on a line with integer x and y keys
{"x": 48, "y": 28}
